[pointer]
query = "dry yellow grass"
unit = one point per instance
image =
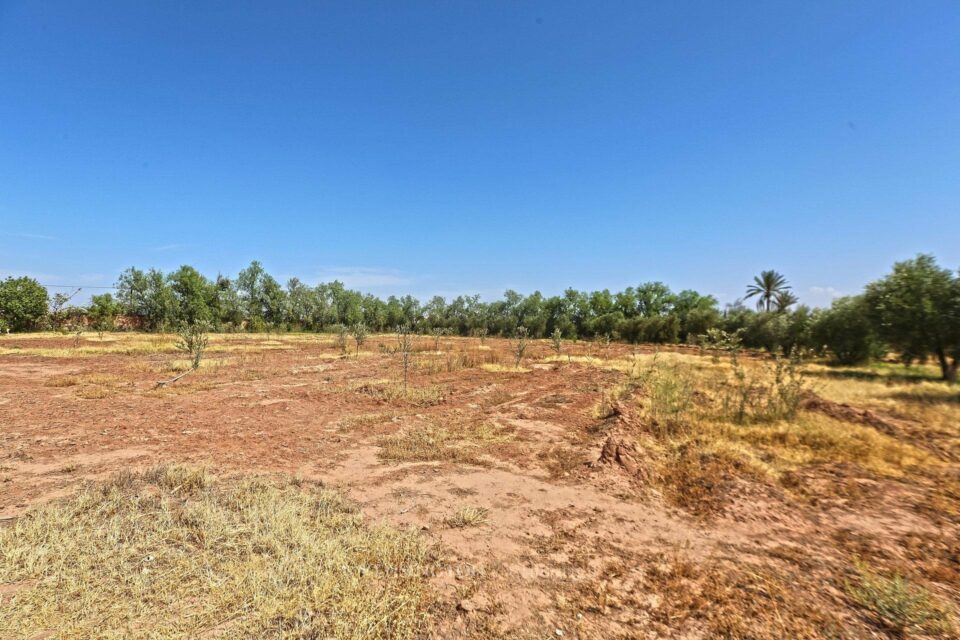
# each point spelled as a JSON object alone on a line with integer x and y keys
{"x": 683, "y": 402}
{"x": 172, "y": 553}
{"x": 429, "y": 443}
{"x": 395, "y": 391}
{"x": 468, "y": 516}
{"x": 502, "y": 368}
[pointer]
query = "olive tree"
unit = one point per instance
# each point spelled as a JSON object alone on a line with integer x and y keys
{"x": 846, "y": 332}
{"x": 359, "y": 332}
{"x": 405, "y": 347}
{"x": 556, "y": 340}
{"x": 916, "y": 310}
{"x": 437, "y": 332}
{"x": 520, "y": 346}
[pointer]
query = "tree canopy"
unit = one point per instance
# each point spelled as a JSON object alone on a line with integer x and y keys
{"x": 23, "y": 304}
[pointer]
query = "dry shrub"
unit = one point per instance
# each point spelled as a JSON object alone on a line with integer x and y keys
{"x": 396, "y": 392}
{"x": 608, "y": 405}
{"x": 62, "y": 381}
{"x": 93, "y": 393}
{"x": 942, "y": 502}
{"x": 755, "y": 602}
{"x": 701, "y": 476}
{"x": 427, "y": 443}
{"x": 670, "y": 398}
{"x": 467, "y": 444}
{"x": 467, "y": 517}
{"x": 178, "y": 479}
{"x": 562, "y": 460}
{"x": 448, "y": 363}
{"x": 764, "y": 392}
{"x": 360, "y": 421}
{"x": 172, "y": 553}
{"x": 934, "y": 555}
{"x": 502, "y": 368}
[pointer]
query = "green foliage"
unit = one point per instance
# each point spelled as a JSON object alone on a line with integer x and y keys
{"x": 717, "y": 340}
{"x": 255, "y": 300}
{"x": 898, "y": 604}
{"x": 767, "y": 287}
{"x": 437, "y": 333}
{"x": 670, "y": 389}
{"x": 847, "y": 332}
{"x": 656, "y": 329}
{"x": 261, "y": 295}
{"x": 102, "y": 311}
{"x": 193, "y": 341}
{"x": 23, "y": 303}
{"x": 192, "y": 294}
{"x": 763, "y": 394}
{"x": 341, "y": 333}
{"x": 148, "y": 296}
{"x": 766, "y": 330}
{"x": 916, "y": 310}
{"x": 556, "y": 340}
{"x": 520, "y": 346}
{"x": 783, "y": 300}
{"x": 359, "y": 333}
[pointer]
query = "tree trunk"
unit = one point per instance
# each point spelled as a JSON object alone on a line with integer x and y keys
{"x": 948, "y": 368}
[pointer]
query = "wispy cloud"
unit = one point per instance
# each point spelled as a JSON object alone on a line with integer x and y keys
{"x": 822, "y": 296}
{"x": 365, "y": 277}
{"x": 27, "y": 236}
{"x": 168, "y": 247}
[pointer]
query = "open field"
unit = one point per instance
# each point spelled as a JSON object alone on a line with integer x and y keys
{"x": 285, "y": 490}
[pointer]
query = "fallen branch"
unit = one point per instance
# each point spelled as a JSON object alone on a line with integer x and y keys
{"x": 164, "y": 383}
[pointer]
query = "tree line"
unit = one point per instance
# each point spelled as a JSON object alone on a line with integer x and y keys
{"x": 914, "y": 311}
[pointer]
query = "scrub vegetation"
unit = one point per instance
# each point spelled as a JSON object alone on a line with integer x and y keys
{"x": 781, "y": 473}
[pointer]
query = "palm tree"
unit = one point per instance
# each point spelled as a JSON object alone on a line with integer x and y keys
{"x": 784, "y": 299}
{"x": 767, "y": 285}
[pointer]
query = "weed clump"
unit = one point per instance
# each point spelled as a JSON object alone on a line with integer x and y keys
{"x": 426, "y": 444}
{"x": 467, "y": 517}
{"x": 898, "y": 604}
{"x": 767, "y": 394}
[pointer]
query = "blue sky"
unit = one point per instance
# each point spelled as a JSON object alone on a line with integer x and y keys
{"x": 461, "y": 147}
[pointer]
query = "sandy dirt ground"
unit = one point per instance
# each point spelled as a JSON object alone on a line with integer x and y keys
{"x": 578, "y": 542}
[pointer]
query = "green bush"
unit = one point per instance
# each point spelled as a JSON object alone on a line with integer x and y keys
{"x": 846, "y": 332}
{"x": 23, "y": 303}
{"x": 898, "y": 604}
{"x": 103, "y": 310}
{"x": 657, "y": 329}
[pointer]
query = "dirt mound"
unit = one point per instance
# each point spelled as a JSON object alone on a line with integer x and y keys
{"x": 617, "y": 451}
{"x": 848, "y": 413}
